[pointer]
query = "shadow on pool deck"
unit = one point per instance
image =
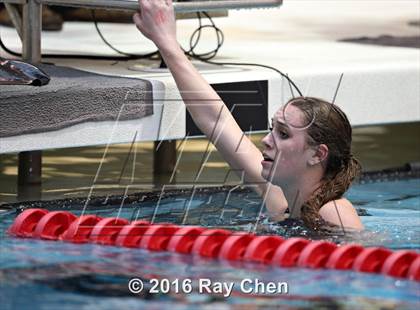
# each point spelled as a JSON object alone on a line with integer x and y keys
{"x": 70, "y": 172}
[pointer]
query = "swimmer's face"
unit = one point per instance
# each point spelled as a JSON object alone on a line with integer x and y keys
{"x": 286, "y": 151}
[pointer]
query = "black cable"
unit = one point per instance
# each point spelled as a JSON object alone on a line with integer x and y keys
{"x": 71, "y": 56}
{"x": 193, "y": 45}
{"x": 128, "y": 55}
{"x": 197, "y": 35}
{"x": 254, "y": 65}
{"x": 205, "y": 57}
{"x": 125, "y": 56}
{"x": 4, "y": 47}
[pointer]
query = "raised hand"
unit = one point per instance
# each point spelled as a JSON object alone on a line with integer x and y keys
{"x": 156, "y": 21}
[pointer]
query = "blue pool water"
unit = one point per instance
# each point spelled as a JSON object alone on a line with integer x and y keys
{"x": 38, "y": 274}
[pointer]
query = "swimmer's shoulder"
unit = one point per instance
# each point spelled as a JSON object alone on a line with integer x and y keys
{"x": 348, "y": 214}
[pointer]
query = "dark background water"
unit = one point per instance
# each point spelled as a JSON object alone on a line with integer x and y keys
{"x": 70, "y": 172}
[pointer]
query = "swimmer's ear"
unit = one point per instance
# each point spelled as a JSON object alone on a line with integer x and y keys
{"x": 319, "y": 154}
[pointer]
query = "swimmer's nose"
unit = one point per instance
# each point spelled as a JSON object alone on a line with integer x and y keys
{"x": 268, "y": 141}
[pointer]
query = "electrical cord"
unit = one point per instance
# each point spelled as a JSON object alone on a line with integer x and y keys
{"x": 79, "y": 56}
{"x": 257, "y": 65}
{"x": 193, "y": 42}
{"x": 7, "y": 50}
{"x": 205, "y": 57}
{"x": 197, "y": 35}
{"x": 126, "y": 56}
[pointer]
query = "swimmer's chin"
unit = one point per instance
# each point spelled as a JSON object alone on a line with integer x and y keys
{"x": 265, "y": 174}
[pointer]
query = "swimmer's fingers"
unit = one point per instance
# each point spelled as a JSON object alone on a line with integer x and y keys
{"x": 138, "y": 21}
{"x": 145, "y": 4}
{"x": 156, "y": 21}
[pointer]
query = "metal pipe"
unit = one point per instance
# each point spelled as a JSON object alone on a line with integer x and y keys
{"x": 14, "y": 1}
{"x": 30, "y": 163}
{"x": 15, "y": 17}
{"x": 29, "y": 185}
{"x": 192, "y": 6}
{"x": 164, "y": 162}
{"x": 32, "y": 21}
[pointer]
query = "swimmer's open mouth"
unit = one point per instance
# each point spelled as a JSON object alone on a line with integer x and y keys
{"x": 266, "y": 158}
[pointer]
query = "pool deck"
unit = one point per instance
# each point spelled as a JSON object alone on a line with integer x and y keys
{"x": 380, "y": 85}
{"x": 299, "y": 38}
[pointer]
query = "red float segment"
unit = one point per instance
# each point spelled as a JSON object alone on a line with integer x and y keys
{"x": 131, "y": 234}
{"x": 235, "y": 246}
{"x": 63, "y": 225}
{"x": 25, "y": 223}
{"x": 398, "y": 263}
{"x": 183, "y": 240}
{"x": 262, "y": 248}
{"x": 371, "y": 259}
{"x": 53, "y": 224}
{"x": 316, "y": 254}
{"x": 414, "y": 270}
{"x": 210, "y": 241}
{"x": 106, "y": 230}
{"x": 343, "y": 257}
{"x": 80, "y": 229}
{"x": 157, "y": 237}
{"x": 287, "y": 254}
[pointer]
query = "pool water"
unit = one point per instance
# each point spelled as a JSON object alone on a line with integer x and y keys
{"x": 37, "y": 274}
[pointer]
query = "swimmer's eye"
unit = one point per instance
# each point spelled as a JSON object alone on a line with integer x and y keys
{"x": 283, "y": 134}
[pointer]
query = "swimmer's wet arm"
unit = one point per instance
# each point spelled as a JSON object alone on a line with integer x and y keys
{"x": 214, "y": 119}
{"x": 210, "y": 114}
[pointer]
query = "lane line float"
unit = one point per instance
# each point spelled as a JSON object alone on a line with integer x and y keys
{"x": 214, "y": 243}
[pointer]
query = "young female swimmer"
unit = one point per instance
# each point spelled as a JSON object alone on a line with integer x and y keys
{"x": 306, "y": 165}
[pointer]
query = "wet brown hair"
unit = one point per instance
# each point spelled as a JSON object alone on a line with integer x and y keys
{"x": 327, "y": 124}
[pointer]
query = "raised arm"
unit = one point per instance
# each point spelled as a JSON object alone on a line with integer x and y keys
{"x": 156, "y": 20}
